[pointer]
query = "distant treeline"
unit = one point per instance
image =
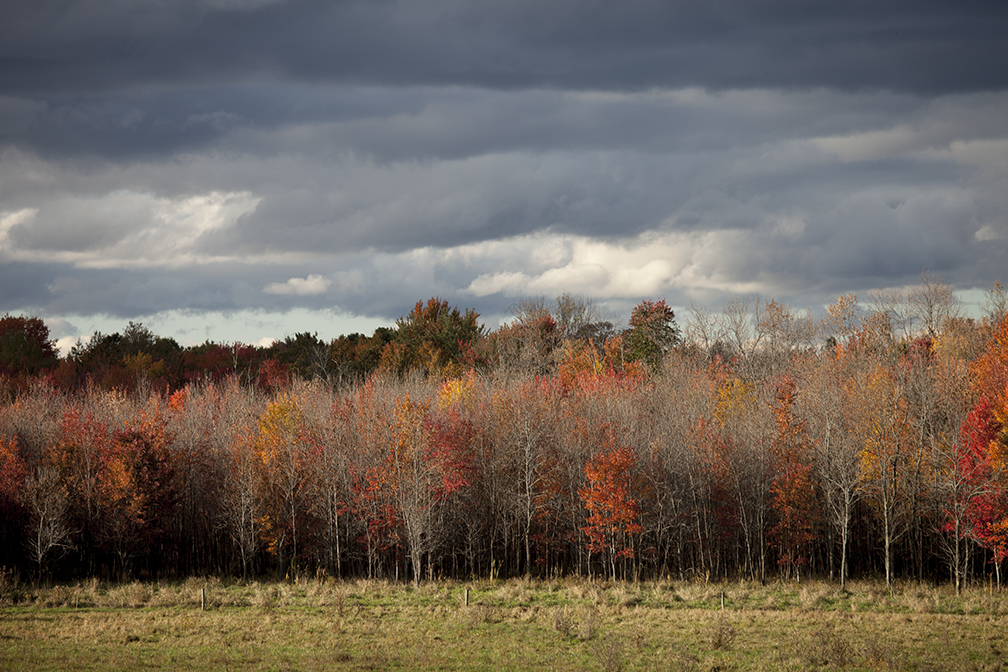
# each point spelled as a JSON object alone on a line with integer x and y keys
{"x": 435, "y": 338}
{"x": 760, "y": 443}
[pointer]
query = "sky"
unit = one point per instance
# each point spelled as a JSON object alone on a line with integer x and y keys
{"x": 240, "y": 170}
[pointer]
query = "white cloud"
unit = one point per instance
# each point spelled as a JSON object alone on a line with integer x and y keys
{"x": 511, "y": 283}
{"x": 313, "y": 284}
{"x": 648, "y": 265}
{"x": 122, "y": 229}
{"x": 9, "y": 220}
{"x": 987, "y": 233}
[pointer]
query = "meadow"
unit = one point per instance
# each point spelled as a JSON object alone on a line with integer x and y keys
{"x": 562, "y": 624}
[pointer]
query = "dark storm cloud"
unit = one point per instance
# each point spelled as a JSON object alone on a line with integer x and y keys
{"x": 925, "y": 47}
{"x": 217, "y": 157}
{"x": 415, "y": 122}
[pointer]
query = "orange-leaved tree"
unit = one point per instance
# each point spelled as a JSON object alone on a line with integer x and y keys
{"x": 611, "y": 501}
{"x": 886, "y": 453}
{"x": 412, "y": 479}
{"x": 795, "y": 491}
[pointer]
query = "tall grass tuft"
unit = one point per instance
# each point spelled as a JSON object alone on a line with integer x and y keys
{"x": 10, "y": 586}
{"x": 610, "y": 654}
{"x": 721, "y": 634}
{"x": 563, "y": 621}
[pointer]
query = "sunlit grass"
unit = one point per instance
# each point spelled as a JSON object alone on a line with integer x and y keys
{"x": 566, "y": 624}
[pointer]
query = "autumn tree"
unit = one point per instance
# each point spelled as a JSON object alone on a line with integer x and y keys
{"x": 138, "y": 492}
{"x": 795, "y": 489}
{"x": 988, "y": 443}
{"x": 282, "y": 452}
{"x": 742, "y": 454}
{"x": 842, "y": 319}
{"x": 451, "y": 455}
{"x": 885, "y": 432}
{"x": 84, "y": 449}
{"x": 526, "y": 346}
{"x": 968, "y": 483}
{"x": 611, "y": 502}
{"x": 411, "y": 479}
{"x": 12, "y": 477}
{"x": 431, "y": 339}
{"x": 353, "y": 357}
{"x": 156, "y": 483}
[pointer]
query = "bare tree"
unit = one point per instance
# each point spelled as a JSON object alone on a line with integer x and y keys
{"x": 703, "y": 328}
{"x": 241, "y": 504}
{"x": 783, "y": 331}
{"x": 530, "y": 308}
{"x": 932, "y": 303}
{"x": 995, "y": 305}
{"x": 843, "y": 318}
{"x": 414, "y": 481}
{"x": 331, "y": 479}
{"x": 735, "y": 323}
{"x": 575, "y": 312}
{"x": 45, "y": 496}
{"x": 522, "y": 424}
{"x": 824, "y": 401}
{"x": 34, "y": 418}
{"x": 893, "y": 304}
{"x": 940, "y": 397}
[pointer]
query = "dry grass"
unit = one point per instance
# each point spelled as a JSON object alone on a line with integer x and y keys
{"x": 559, "y": 624}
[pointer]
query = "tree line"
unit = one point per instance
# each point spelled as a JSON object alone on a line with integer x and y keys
{"x": 759, "y": 443}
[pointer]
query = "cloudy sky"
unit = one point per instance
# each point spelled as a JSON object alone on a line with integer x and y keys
{"x": 241, "y": 169}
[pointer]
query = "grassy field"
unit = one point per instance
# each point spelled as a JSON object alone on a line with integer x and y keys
{"x": 566, "y": 624}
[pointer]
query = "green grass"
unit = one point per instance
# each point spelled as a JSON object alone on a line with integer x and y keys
{"x": 564, "y": 624}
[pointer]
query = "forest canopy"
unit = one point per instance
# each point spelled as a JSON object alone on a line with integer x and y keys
{"x": 757, "y": 442}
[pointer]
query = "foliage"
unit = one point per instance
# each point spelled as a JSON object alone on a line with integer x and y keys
{"x": 25, "y": 347}
{"x": 652, "y": 333}
{"x": 529, "y": 450}
{"x": 432, "y": 339}
{"x": 610, "y": 500}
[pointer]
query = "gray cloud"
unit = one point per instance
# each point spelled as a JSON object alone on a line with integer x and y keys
{"x": 249, "y": 157}
{"x": 918, "y": 46}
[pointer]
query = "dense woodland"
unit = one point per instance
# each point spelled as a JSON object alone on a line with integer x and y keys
{"x": 760, "y": 443}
